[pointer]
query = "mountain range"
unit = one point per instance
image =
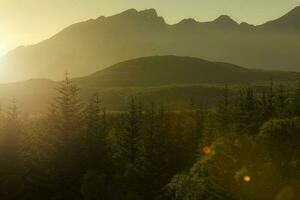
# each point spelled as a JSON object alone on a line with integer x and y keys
{"x": 171, "y": 80}
{"x": 86, "y": 47}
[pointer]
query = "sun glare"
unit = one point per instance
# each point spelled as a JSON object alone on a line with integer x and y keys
{"x": 247, "y": 178}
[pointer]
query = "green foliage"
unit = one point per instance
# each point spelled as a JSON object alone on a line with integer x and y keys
{"x": 246, "y": 148}
{"x": 224, "y": 112}
{"x": 296, "y": 101}
{"x": 281, "y": 137}
{"x": 171, "y": 80}
{"x": 93, "y": 185}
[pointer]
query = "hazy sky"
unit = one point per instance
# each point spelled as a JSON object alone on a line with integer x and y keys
{"x": 25, "y": 22}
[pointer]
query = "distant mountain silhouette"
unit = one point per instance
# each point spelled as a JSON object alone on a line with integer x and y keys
{"x": 288, "y": 22}
{"x": 92, "y": 45}
{"x": 158, "y": 78}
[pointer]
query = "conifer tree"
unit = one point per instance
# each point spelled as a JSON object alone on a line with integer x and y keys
{"x": 95, "y": 180}
{"x": 296, "y": 101}
{"x": 95, "y": 133}
{"x": 201, "y": 115}
{"x": 11, "y": 137}
{"x": 154, "y": 153}
{"x": 267, "y": 103}
{"x": 250, "y": 101}
{"x": 246, "y": 116}
{"x": 224, "y": 112}
{"x": 68, "y": 109}
{"x": 270, "y": 106}
{"x": 37, "y": 163}
{"x": 11, "y": 163}
{"x": 263, "y": 106}
{"x": 281, "y": 102}
{"x": 127, "y": 148}
{"x": 1, "y": 118}
{"x": 239, "y": 112}
{"x": 69, "y": 165}
{"x": 131, "y": 135}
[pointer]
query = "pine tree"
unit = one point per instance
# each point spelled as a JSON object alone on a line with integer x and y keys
{"x": 281, "y": 102}
{"x": 99, "y": 166}
{"x": 246, "y": 112}
{"x": 68, "y": 109}
{"x": 263, "y": 107}
{"x": 11, "y": 137}
{"x": 200, "y": 115}
{"x": 1, "y": 119}
{"x": 67, "y": 118}
{"x": 267, "y": 104}
{"x": 155, "y": 155}
{"x": 224, "y": 112}
{"x": 296, "y": 101}
{"x": 250, "y": 101}
{"x": 131, "y": 135}
{"x": 37, "y": 163}
{"x": 95, "y": 133}
{"x": 270, "y": 106}
{"x": 127, "y": 141}
{"x": 11, "y": 163}
{"x": 239, "y": 112}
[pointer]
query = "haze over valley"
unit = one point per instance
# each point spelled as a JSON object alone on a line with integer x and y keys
{"x": 170, "y": 80}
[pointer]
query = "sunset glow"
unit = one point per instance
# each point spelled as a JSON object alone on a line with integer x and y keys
{"x": 148, "y": 100}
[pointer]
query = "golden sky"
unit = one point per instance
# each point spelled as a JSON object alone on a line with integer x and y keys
{"x": 24, "y": 22}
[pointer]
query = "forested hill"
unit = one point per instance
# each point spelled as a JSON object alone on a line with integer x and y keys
{"x": 89, "y": 46}
{"x": 246, "y": 148}
{"x": 168, "y": 70}
{"x": 169, "y": 79}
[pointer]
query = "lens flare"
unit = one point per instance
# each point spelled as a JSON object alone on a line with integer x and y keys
{"x": 206, "y": 150}
{"x": 247, "y": 179}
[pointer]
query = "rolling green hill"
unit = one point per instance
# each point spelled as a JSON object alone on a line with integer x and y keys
{"x": 168, "y": 70}
{"x": 171, "y": 80}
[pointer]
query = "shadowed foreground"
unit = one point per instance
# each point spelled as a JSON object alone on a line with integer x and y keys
{"x": 245, "y": 148}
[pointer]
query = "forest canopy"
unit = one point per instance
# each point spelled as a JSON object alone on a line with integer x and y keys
{"x": 245, "y": 148}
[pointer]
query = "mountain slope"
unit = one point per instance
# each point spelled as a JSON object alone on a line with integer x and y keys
{"x": 168, "y": 79}
{"x": 170, "y": 70}
{"x": 92, "y": 45}
{"x": 288, "y": 22}
{"x": 164, "y": 70}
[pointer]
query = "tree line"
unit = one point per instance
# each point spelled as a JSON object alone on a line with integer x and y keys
{"x": 245, "y": 148}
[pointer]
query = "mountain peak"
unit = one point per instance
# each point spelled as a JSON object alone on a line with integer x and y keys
{"x": 289, "y": 21}
{"x": 129, "y": 12}
{"x": 188, "y": 22}
{"x": 296, "y": 9}
{"x": 145, "y": 13}
{"x": 293, "y": 13}
{"x": 149, "y": 12}
{"x": 246, "y": 25}
{"x": 225, "y": 19}
{"x": 100, "y": 18}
